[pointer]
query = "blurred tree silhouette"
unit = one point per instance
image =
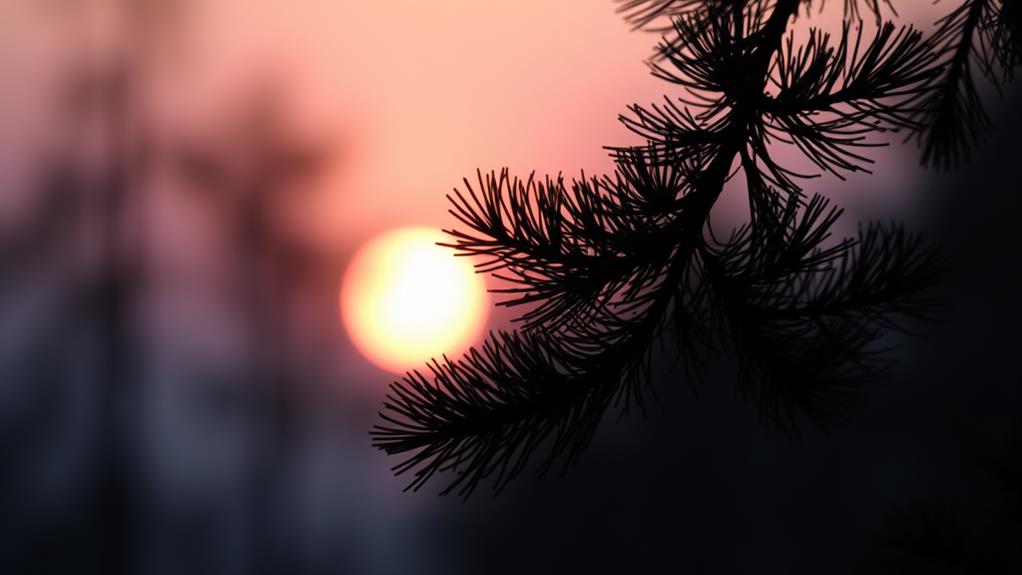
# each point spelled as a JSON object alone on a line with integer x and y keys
{"x": 88, "y": 227}
{"x": 607, "y": 266}
{"x": 249, "y": 180}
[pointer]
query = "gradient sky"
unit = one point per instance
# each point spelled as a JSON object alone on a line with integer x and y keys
{"x": 420, "y": 94}
{"x": 413, "y": 95}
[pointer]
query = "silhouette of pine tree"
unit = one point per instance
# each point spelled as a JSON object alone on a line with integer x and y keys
{"x": 976, "y": 37}
{"x": 606, "y": 266}
{"x": 108, "y": 528}
{"x": 109, "y": 92}
{"x": 247, "y": 180}
{"x": 95, "y": 201}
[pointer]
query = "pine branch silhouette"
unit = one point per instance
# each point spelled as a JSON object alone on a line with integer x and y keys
{"x": 604, "y": 267}
{"x": 977, "y": 37}
{"x": 657, "y": 15}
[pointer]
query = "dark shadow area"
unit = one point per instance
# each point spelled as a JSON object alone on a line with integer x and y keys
{"x": 700, "y": 486}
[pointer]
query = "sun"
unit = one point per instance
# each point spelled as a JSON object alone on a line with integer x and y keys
{"x": 405, "y": 300}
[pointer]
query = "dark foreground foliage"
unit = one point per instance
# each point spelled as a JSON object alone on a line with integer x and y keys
{"x": 604, "y": 267}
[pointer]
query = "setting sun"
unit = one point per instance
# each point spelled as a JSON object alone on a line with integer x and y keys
{"x": 405, "y": 299}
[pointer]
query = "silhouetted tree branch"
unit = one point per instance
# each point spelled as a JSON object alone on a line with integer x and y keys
{"x": 978, "y": 36}
{"x": 605, "y": 266}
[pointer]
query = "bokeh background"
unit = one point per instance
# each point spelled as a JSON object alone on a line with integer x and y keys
{"x": 182, "y": 183}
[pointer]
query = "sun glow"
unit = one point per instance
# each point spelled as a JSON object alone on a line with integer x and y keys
{"x": 405, "y": 299}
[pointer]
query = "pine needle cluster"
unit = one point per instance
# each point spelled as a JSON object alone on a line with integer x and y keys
{"x": 605, "y": 267}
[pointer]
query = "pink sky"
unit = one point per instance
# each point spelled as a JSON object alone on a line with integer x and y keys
{"x": 415, "y": 95}
{"x": 419, "y": 94}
